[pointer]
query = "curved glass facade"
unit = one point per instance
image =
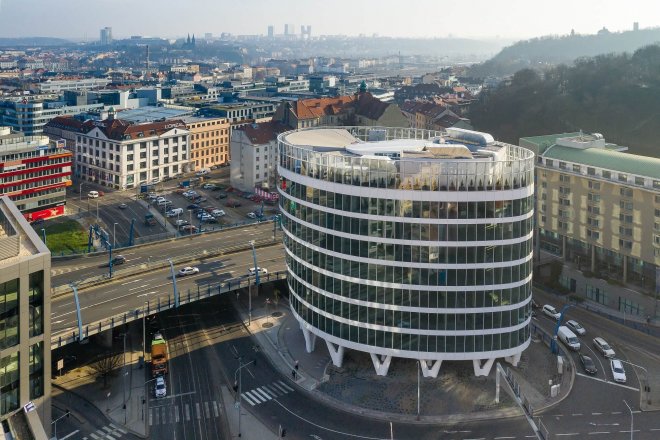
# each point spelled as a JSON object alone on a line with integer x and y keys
{"x": 406, "y": 251}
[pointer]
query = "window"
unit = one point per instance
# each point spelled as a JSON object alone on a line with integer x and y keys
{"x": 36, "y": 301}
{"x": 36, "y": 361}
{"x": 625, "y": 244}
{"x": 563, "y": 177}
{"x": 593, "y": 222}
{"x": 562, "y": 225}
{"x": 594, "y": 185}
{"x": 576, "y": 168}
{"x": 639, "y": 181}
{"x": 565, "y": 191}
{"x": 594, "y": 235}
{"x": 593, "y": 197}
{"x": 657, "y": 198}
{"x": 8, "y": 314}
{"x": 565, "y": 202}
{"x": 593, "y": 210}
{"x": 625, "y": 218}
{"x": 627, "y": 206}
{"x": 607, "y": 174}
{"x": 626, "y": 192}
{"x": 591, "y": 171}
{"x": 623, "y": 177}
{"x": 9, "y": 378}
{"x": 626, "y": 232}
{"x": 656, "y": 184}
{"x": 562, "y": 165}
{"x": 544, "y": 184}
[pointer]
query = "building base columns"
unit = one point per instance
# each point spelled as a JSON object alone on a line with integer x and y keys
{"x": 381, "y": 364}
{"x": 337, "y": 354}
{"x": 310, "y": 338}
{"x": 432, "y": 371}
{"x": 482, "y": 370}
{"x": 513, "y": 360}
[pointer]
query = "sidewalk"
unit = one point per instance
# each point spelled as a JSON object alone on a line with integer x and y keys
{"x": 457, "y": 395}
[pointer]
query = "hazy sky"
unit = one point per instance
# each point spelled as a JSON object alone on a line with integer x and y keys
{"x": 418, "y": 18}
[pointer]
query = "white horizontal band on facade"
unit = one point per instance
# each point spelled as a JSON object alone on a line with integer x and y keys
{"x": 384, "y": 240}
{"x": 411, "y": 220}
{"x": 383, "y": 306}
{"x": 408, "y": 354}
{"x": 475, "y": 288}
{"x": 414, "y": 331}
{"x": 407, "y": 194}
{"x": 410, "y": 264}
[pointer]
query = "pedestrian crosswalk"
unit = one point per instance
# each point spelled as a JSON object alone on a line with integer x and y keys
{"x": 185, "y": 412}
{"x": 265, "y": 393}
{"x": 108, "y": 432}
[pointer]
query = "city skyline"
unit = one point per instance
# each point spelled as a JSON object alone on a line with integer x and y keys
{"x": 475, "y": 19}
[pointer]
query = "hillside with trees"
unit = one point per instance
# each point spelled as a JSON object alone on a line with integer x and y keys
{"x": 617, "y": 95}
{"x": 544, "y": 52}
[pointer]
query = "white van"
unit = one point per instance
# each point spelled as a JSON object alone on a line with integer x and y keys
{"x": 566, "y": 336}
{"x": 174, "y": 212}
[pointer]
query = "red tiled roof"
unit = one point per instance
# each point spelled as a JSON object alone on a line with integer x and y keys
{"x": 317, "y": 107}
{"x": 264, "y": 132}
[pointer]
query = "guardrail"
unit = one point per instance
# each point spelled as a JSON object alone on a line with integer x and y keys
{"x": 156, "y": 306}
{"x": 63, "y": 289}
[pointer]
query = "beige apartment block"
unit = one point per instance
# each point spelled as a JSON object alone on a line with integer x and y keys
{"x": 598, "y": 208}
{"x": 209, "y": 141}
{"x": 25, "y": 360}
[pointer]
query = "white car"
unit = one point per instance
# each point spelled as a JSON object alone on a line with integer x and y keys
{"x": 188, "y": 271}
{"x": 604, "y": 348}
{"x": 218, "y": 212}
{"x": 262, "y": 271}
{"x": 550, "y": 312}
{"x": 618, "y": 373}
{"x": 93, "y": 194}
{"x": 575, "y": 327}
{"x": 181, "y": 222}
{"x": 160, "y": 390}
{"x": 160, "y": 199}
{"x": 251, "y": 215}
{"x": 203, "y": 172}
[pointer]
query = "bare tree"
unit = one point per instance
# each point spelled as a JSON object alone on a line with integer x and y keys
{"x": 105, "y": 365}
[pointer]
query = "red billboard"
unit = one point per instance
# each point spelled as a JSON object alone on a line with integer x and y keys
{"x": 44, "y": 213}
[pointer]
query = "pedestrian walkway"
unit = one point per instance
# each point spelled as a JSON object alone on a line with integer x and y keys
{"x": 168, "y": 414}
{"x": 265, "y": 393}
{"x": 108, "y": 432}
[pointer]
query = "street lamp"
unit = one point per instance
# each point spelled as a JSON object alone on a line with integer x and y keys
{"x": 114, "y": 235}
{"x": 144, "y": 331}
{"x": 256, "y": 281}
{"x": 631, "y": 419}
{"x": 239, "y": 371}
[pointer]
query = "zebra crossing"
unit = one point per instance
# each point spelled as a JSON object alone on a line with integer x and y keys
{"x": 64, "y": 270}
{"x": 165, "y": 415}
{"x": 265, "y": 393}
{"x": 108, "y": 432}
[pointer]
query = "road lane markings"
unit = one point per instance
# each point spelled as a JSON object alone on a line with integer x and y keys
{"x": 568, "y": 434}
{"x": 139, "y": 287}
{"x": 147, "y": 294}
{"x": 599, "y": 432}
{"x": 283, "y": 384}
{"x": 198, "y": 412}
{"x": 70, "y": 434}
{"x": 263, "y": 393}
{"x": 117, "y": 428}
{"x": 130, "y": 282}
{"x": 254, "y": 396}
{"x": 608, "y": 382}
{"x": 215, "y": 409}
{"x": 248, "y": 399}
{"x": 207, "y": 410}
{"x": 119, "y": 306}
{"x": 502, "y": 438}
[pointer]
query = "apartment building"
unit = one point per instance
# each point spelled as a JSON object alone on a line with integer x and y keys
{"x": 29, "y": 117}
{"x": 121, "y": 155}
{"x": 25, "y": 358}
{"x": 209, "y": 141}
{"x": 598, "y": 208}
{"x": 34, "y": 173}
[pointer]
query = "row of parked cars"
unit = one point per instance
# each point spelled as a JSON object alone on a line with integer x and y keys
{"x": 567, "y": 334}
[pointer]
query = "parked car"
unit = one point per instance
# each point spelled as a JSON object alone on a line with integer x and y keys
{"x": 550, "y": 312}
{"x": 159, "y": 199}
{"x": 93, "y": 194}
{"x": 262, "y": 271}
{"x": 160, "y": 389}
{"x": 566, "y": 336}
{"x": 576, "y": 327}
{"x": 181, "y": 222}
{"x": 587, "y": 364}
{"x": 251, "y": 215}
{"x": 123, "y": 206}
{"x": 603, "y": 347}
{"x": 221, "y": 196}
{"x": 188, "y": 270}
{"x": 210, "y": 186}
{"x": 202, "y": 172}
{"x": 200, "y": 199}
{"x": 188, "y": 228}
{"x": 205, "y": 217}
{"x": 218, "y": 212}
{"x": 233, "y": 203}
{"x": 618, "y": 373}
{"x": 193, "y": 206}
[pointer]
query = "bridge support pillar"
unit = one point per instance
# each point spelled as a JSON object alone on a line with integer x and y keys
{"x": 482, "y": 370}
{"x": 513, "y": 360}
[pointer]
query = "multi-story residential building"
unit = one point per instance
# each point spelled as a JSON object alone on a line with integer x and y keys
{"x": 29, "y": 117}
{"x": 432, "y": 116}
{"x": 239, "y": 114}
{"x": 34, "y": 173}
{"x": 105, "y": 36}
{"x": 408, "y": 243}
{"x": 121, "y": 155}
{"x": 25, "y": 360}
{"x": 598, "y": 208}
{"x": 209, "y": 141}
{"x": 254, "y": 155}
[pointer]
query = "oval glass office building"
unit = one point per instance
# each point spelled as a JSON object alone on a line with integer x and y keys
{"x": 409, "y": 243}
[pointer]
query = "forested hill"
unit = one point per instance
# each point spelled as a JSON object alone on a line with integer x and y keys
{"x": 617, "y": 95}
{"x": 550, "y": 51}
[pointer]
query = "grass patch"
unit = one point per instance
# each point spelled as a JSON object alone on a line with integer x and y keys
{"x": 67, "y": 236}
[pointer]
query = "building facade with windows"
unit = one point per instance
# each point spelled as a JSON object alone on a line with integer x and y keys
{"x": 598, "y": 208}
{"x": 25, "y": 368}
{"x": 209, "y": 141}
{"x": 34, "y": 173}
{"x": 408, "y": 243}
{"x": 122, "y": 155}
{"x": 29, "y": 117}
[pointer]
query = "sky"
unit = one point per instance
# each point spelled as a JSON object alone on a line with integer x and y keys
{"x": 82, "y": 19}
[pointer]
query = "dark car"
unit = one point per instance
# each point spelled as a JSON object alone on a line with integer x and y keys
{"x": 221, "y": 196}
{"x": 588, "y": 364}
{"x": 193, "y": 206}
